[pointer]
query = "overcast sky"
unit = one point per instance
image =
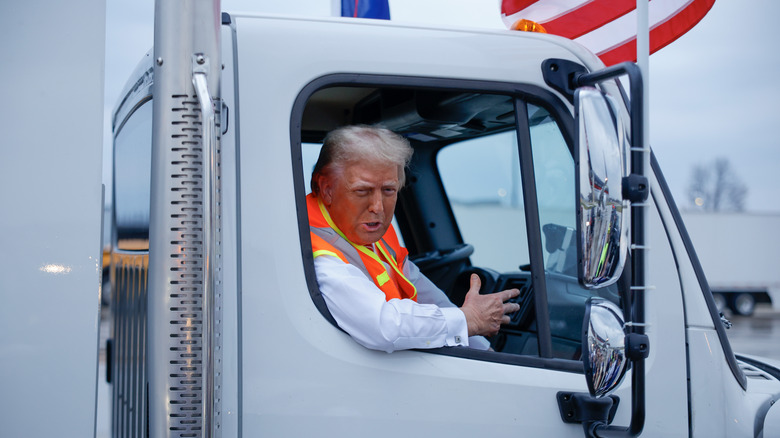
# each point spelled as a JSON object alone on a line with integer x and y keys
{"x": 713, "y": 93}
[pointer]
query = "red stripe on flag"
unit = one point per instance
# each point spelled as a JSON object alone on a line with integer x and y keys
{"x": 356, "y": 9}
{"x": 666, "y": 32}
{"x": 591, "y": 15}
{"x": 662, "y": 34}
{"x": 623, "y": 52}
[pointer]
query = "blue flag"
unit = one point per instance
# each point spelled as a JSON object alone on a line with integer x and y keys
{"x": 365, "y": 9}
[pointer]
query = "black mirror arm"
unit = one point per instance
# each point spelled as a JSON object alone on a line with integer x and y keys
{"x": 566, "y": 76}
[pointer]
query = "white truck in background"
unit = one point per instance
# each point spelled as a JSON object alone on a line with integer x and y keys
{"x": 739, "y": 253}
{"x": 529, "y": 170}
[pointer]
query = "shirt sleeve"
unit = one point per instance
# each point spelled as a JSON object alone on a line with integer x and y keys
{"x": 361, "y": 309}
{"x": 427, "y": 292}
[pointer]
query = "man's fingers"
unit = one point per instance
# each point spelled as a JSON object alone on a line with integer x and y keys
{"x": 509, "y": 293}
{"x": 511, "y": 307}
{"x": 486, "y": 313}
{"x": 475, "y": 284}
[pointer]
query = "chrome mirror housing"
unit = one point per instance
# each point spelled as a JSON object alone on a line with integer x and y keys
{"x": 602, "y": 213}
{"x": 604, "y": 346}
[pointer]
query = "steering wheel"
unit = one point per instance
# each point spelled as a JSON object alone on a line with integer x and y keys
{"x": 436, "y": 259}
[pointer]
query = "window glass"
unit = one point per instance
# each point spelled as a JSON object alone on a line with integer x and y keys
{"x": 309, "y": 154}
{"x": 554, "y": 173}
{"x": 482, "y": 181}
{"x": 132, "y": 179}
{"x": 555, "y": 189}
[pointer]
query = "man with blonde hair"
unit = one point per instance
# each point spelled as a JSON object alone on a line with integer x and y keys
{"x": 372, "y": 290}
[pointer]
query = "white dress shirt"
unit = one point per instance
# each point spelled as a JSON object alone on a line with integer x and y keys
{"x": 362, "y": 310}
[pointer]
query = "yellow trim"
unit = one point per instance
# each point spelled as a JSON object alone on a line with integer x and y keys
{"x": 383, "y": 278}
{"x": 325, "y": 252}
{"x": 394, "y": 265}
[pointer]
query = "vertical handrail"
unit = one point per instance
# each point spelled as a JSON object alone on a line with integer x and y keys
{"x": 183, "y": 354}
{"x": 200, "y": 67}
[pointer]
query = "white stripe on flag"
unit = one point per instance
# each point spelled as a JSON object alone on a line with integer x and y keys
{"x": 623, "y": 29}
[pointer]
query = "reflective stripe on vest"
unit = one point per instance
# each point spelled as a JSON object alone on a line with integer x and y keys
{"x": 327, "y": 239}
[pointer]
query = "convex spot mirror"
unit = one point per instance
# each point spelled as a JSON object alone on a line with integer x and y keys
{"x": 602, "y": 214}
{"x": 604, "y": 346}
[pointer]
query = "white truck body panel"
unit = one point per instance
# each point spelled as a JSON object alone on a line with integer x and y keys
{"x": 327, "y": 363}
{"x": 451, "y": 395}
{"x": 445, "y": 395}
{"x": 50, "y": 226}
{"x": 673, "y": 276}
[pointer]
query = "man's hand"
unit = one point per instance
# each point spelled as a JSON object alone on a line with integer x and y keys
{"x": 486, "y": 313}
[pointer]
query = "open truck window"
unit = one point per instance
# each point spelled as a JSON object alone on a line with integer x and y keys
{"x": 490, "y": 190}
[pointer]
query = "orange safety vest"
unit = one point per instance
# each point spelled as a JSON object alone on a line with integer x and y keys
{"x": 327, "y": 239}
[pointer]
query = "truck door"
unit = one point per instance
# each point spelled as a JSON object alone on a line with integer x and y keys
{"x": 490, "y": 191}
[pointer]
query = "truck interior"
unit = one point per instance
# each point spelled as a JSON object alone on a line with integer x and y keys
{"x": 490, "y": 190}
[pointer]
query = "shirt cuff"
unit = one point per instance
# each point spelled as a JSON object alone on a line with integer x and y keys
{"x": 479, "y": 343}
{"x": 457, "y": 330}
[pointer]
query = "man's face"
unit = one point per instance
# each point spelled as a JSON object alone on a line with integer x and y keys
{"x": 361, "y": 199}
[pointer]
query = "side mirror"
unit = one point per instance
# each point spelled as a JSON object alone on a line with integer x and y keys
{"x": 602, "y": 213}
{"x": 603, "y": 346}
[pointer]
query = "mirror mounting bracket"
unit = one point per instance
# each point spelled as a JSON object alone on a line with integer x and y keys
{"x": 561, "y": 74}
{"x": 637, "y": 346}
{"x": 590, "y": 411}
{"x": 635, "y": 188}
{"x": 566, "y": 76}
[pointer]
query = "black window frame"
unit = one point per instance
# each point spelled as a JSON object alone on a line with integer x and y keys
{"x": 522, "y": 94}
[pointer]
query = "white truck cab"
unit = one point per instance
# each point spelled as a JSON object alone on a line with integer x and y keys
{"x": 522, "y": 173}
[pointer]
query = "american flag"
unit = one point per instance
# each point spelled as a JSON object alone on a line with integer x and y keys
{"x": 608, "y": 27}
